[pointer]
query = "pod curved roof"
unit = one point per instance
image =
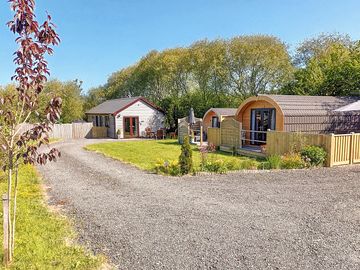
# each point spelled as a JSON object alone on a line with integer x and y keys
{"x": 293, "y": 105}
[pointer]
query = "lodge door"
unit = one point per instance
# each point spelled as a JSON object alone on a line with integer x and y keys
{"x": 261, "y": 121}
{"x": 131, "y": 127}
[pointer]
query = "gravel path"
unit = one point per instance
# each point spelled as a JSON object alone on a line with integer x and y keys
{"x": 306, "y": 219}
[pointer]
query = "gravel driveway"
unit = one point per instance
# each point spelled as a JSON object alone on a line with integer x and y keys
{"x": 306, "y": 219}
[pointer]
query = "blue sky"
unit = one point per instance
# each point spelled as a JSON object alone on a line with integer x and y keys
{"x": 102, "y": 36}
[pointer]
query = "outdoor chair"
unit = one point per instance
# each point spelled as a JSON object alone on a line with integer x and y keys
{"x": 172, "y": 135}
{"x": 149, "y": 133}
{"x": 160, "y": 134}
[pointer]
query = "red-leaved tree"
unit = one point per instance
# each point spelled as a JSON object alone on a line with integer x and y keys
{"x": 18, "y": 145}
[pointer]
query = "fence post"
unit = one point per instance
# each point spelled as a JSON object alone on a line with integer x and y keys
{"x": 331, "y": 150}
{"x": 352, "y": 148}
{"x": 5, "y": 201}
{"x": 240, "y": 135}
{"x": 201, "y": 135}
{"x": 220, "y": 137}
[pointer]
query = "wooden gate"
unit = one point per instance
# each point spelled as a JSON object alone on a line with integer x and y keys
{"x": 230, "y": 133}
{"x": 345, "y": 149}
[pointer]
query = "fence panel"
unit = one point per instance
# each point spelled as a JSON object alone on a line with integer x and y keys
{"x": 342, "y": 148}
{"x": 230, "y": 133}
{"x": 99, "y": 132}
{"x": 345, "y": 149}
{"x": 183, "y": 130}
{"x": 356, "y": 148}
{"x": 81, "y": 130}
{"x": 278, "y": 142}
{"x": 341, "y": 151}
{"x": 68, "y": 131}
{"x": 63, "y": 131}
{"x": 214, "y": 136}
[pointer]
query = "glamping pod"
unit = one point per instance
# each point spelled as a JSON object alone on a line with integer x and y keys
{"x": 214, "y": 116}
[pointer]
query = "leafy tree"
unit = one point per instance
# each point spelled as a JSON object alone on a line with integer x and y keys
{"x": 258, "y": 64}
{"x": 185, "y": 159}
{"x": 209, "y": 69}
{"x": 94, "y": 97}
{"x": 313, "y": 47}
{"x": 335, "y": 71}
{"x": 69, "y": 92}
{"x": 72, "y": 100}
{"x": 35, "y": 42}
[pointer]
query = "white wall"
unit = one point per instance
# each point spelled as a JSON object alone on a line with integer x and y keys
{"x": 148, "y": 117}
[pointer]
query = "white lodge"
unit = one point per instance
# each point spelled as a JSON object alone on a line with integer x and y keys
{"x": 127, "y": 117}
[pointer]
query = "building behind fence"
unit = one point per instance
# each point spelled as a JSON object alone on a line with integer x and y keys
{"x": 341, "y": 148}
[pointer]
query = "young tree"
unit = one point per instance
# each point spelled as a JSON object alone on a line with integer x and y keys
{"x": 35, "y": 42}
{"x": 185, "y": 158}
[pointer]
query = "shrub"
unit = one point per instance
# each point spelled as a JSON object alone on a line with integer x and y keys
{"x": 185, "y": 159}
{"x": 204, "y": 151}
{"x": 217, "y": 166}
{"x": 292, "y": 161}
{"x": 274, "y": 162}
{"x": 299, "y": 141}
{"x": 313, "y": 155}
{"x": 248, "y": 164}
{"x": 233, "y": 164}
{"x": 167, "y": 167}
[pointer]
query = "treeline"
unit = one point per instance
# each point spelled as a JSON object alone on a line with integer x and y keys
{"x": 222, "y": 73}
{"x": 70, "y": 93}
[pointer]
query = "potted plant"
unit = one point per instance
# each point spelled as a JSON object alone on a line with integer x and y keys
{"x": 118, "y": 133}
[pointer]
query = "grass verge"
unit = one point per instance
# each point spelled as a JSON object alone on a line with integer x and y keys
{"x": 44, "y": 240}
{"x": 145, "y": 154}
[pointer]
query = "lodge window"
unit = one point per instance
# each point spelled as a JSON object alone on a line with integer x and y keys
{"x": 107, "y": 120}
{"x": 215, "y": 122}
{"x": 101, "y": 121}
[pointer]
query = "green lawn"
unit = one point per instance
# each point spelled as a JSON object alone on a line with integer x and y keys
{"x": 145, "y": 154}
{"x": 44, "y": 240}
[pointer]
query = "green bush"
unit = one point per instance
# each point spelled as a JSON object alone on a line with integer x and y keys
{"x": 248, "y": 164}
{"x": 185, "y": 159}
{"x": 167, "y": 167}
{"x": 292, "y": 161}
{"x": 274, "y": 162}
{"x": 233, "y": 164}
{"x": 313, "y": 155}
{"x": 217, "y": 166}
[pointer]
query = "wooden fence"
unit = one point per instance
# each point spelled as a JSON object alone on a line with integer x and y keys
{"x": 67, "y": 131}
{"x": 278, "y": 142}
{"x": 345, "y": 149}
{"x": 341, "y": 148}
{"x": 214, "y": 136}
{"x": 230, "y": 133}
{"x": 228, "y": 136}
{"x": 99, "y": 132}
